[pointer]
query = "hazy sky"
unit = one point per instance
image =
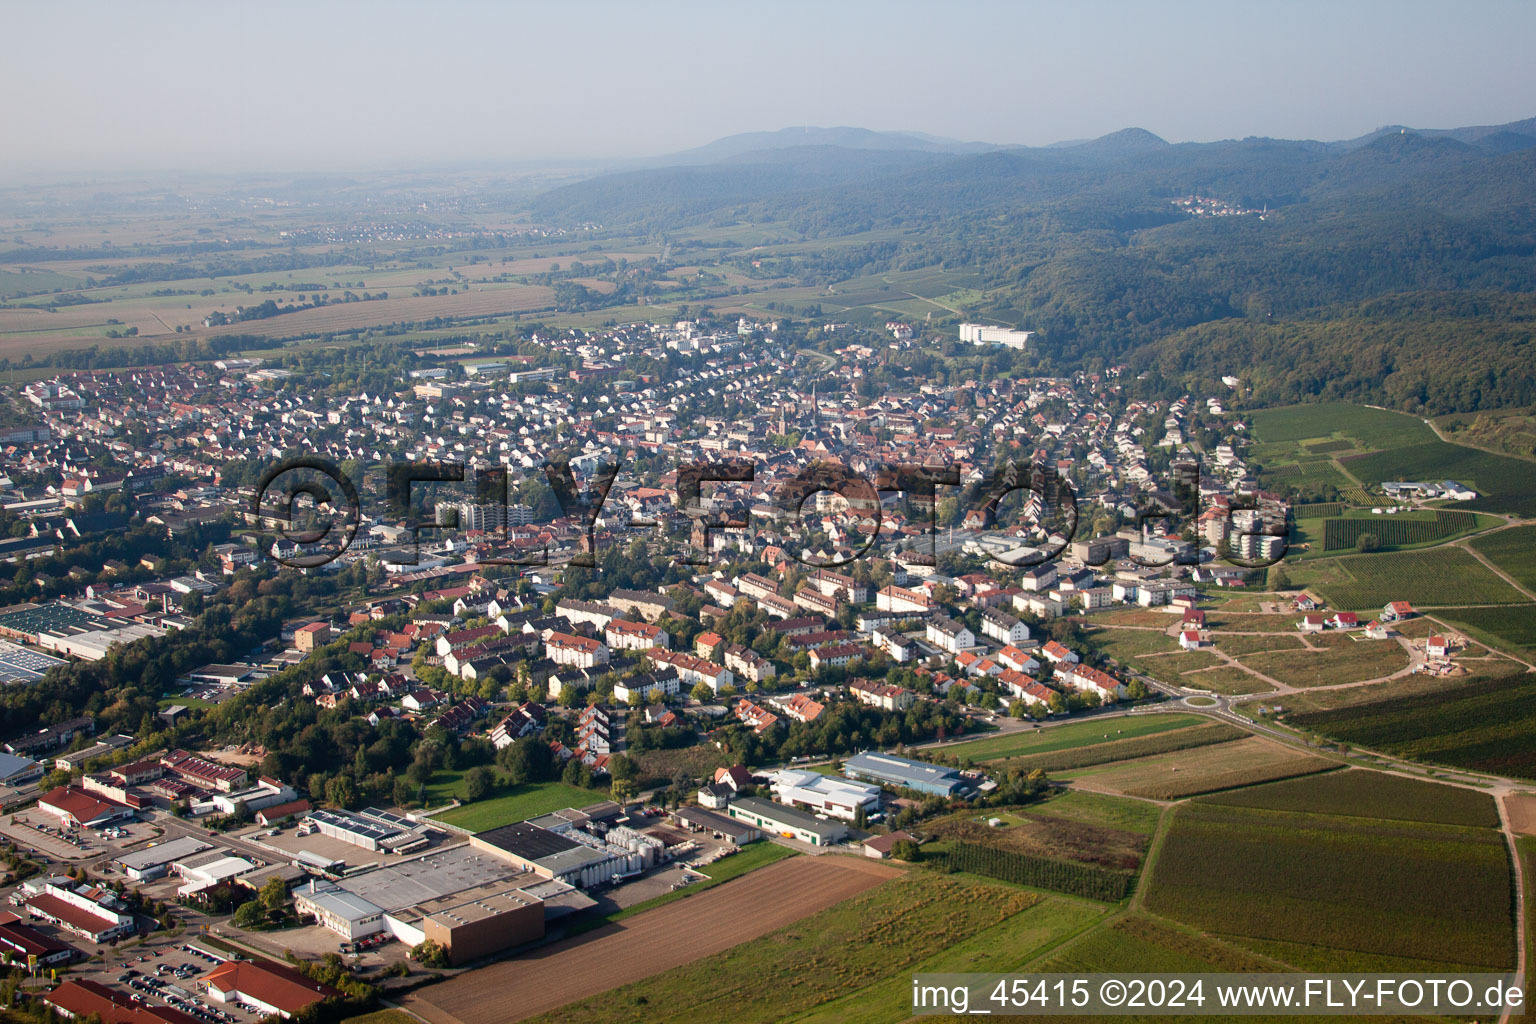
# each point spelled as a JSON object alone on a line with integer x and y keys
{"x": 92, "y": 87}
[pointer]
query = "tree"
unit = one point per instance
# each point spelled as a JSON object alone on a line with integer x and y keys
{"x": 1367, "y": 542}
{"x": 702, "y": 693}
{"x": 274, "y": 894}
{"x": 430, "y": 954}
{"x": 478, "y": 783}
{"x": 907, "y": 850}
{"x": 251, "y": 914}
{"x": 1279, "y": 579}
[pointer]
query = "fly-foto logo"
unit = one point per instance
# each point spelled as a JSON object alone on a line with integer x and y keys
{"x": 1049, "y": 520}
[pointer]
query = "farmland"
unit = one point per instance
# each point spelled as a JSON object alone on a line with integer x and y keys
{"x": 1226, "y": 679}
{"x": 1512, "y": 550}
{"x": 1503, "y": 484}
{"x": 1366, "y": 794}
{"x": 1244, "y": 762}
{"x": 794, "y": 969}
{"x": 1485, "y": 725}
{"x": 1119, "y": 749}
{"x": 1040, "y": 833}
{"x": 1063, "y": 737}
{"x": 1338, "y": 893}
{"x": 694, "y": 932}
{"x": 1405, "y": 529}
{"x": 1508, "y": 626}
{"x": 1440, "y": 576}
{"x": 1371, "y": 428}
{"x": 1006, "y": 946}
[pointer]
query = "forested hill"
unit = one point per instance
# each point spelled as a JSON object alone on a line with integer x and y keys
{"x": 1428, "y": 353}
{"x": 1086, "y": 244}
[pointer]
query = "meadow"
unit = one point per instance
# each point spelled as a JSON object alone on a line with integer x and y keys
{"x": 1226, "y": 680}
{"x": 1350, "y": 893}
{"x": 1485, "y": 725}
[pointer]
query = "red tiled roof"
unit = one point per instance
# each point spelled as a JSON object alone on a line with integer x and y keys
{"x": 271, "y": 983}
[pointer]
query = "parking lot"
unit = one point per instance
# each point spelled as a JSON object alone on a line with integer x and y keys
{"x": 167, "y": 972}
{"x": 40, "y": 831}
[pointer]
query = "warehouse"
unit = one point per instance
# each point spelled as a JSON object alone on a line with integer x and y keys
{"x": 572, "y": 856}
{"x": 271, "y": 987}
{"x": 206, "y": 870}
{"x": 902, "y": 773}
{"x": 787, "y": 822}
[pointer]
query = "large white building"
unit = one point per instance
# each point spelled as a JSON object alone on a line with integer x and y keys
{"x": 987, "y": 334}
{"x": 831, "y": 795}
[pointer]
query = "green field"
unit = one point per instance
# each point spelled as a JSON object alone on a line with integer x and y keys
{"x": 1338, "y": 893}
{"x": 523, "y": 802}
{"x": 879, "y": 935}
{"x": 1485, "y": 725}
{"x": 1360, "y": 793}
{"x": 1099, "y": 809}
{"x": 1063, "y": 737}
{"x": 1512, "y": 550}
{"x": 1440, "y": 576}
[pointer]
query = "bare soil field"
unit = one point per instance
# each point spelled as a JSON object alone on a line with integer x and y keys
{"x": 1521, "y": 808}
{"x": 649, "y": 943}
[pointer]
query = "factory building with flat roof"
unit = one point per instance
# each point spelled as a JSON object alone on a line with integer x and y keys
{"x": 903, "y": 773}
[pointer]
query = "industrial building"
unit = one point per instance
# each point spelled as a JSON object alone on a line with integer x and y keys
{"x": 472, "y": 903}
{"x": 903, "y": 773}
{"x": 153, "y": 862}
{"x": 372, "y": 829}
{"x": 787, "y": 821}
{"x": 272, "y": 988}
{"x": 831, "y": 795}
{"x": 570, "y": 855}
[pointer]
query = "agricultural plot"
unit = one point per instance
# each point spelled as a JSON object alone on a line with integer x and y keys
{"x": 1007, "y": 946}
{"x": 1063, "y": 737}
{"x": 1141, "y": 944}
{"x": 1318, "y": 510}
{"x": 652, "y": 949}
{"x": 1511, "y": 626}
{"x": 1239, "y": 622}
{"x": 1098, "y": 809}
{"x": 1350, "y": 893}
{"x": 1485, "y": 725}
{"x": 1188, "y": 738}
{"x": 1437, "y": 577}
{"x": 1373, "y": 428}
{"x": 1359, "y": 793}
{"x": 852, "y": 945}
{"x": 1041, "y": 834}
{"x": 1244, "y": 762}
{"x": 1350, "y": 661}
{"x": 1503, "y": 484}
{"x": 1512, "y": 550}
{"x": 1171, "y": 666}
{"x": 1405, "y": 529}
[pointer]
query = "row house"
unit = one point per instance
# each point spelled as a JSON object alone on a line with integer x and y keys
{"x": 580, "y": 651}
{"x": 885, "y": 696}
{"x": 623, "y": 635}
{"x": 1002, "y": 627}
